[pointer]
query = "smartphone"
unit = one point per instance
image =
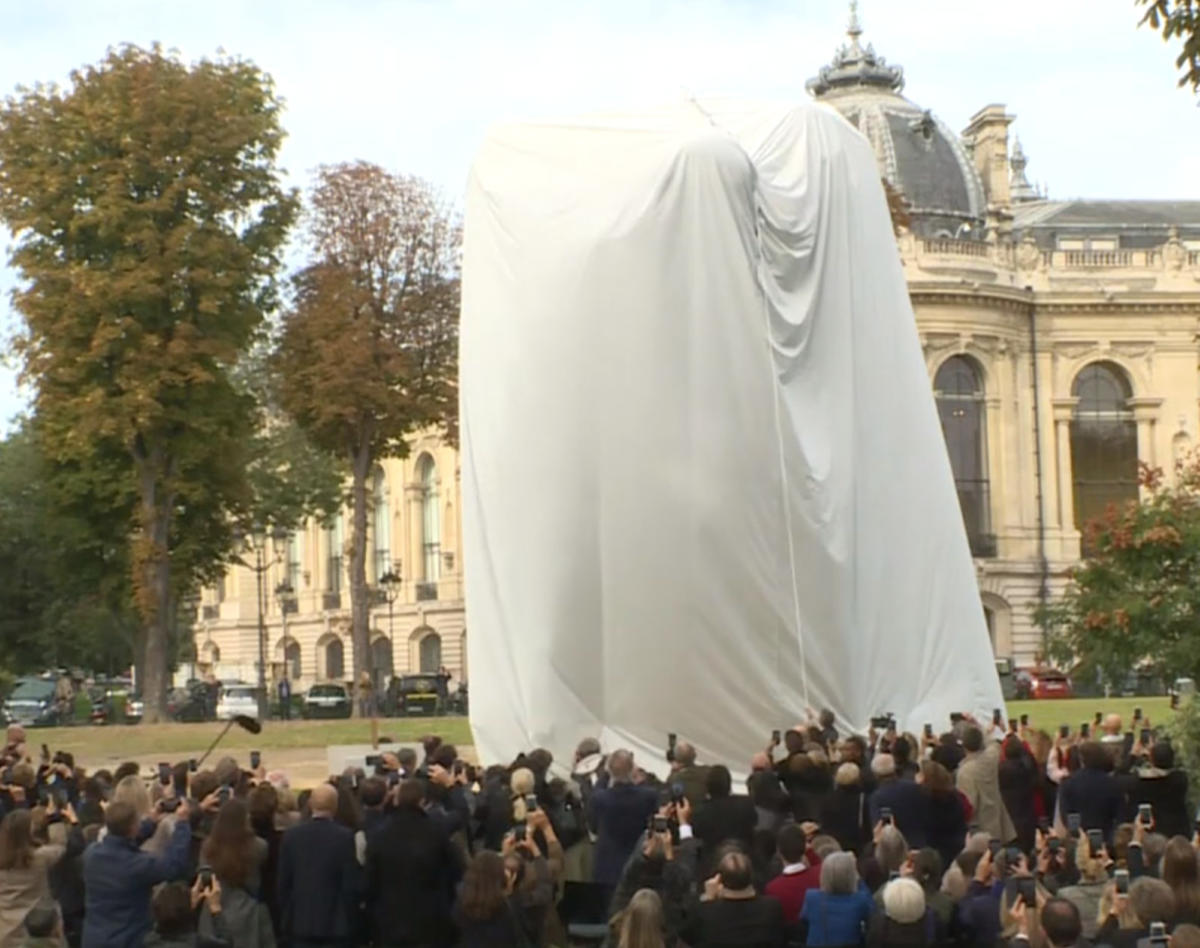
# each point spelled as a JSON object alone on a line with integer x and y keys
{"x": 1074, "y": 822}
{"x": 519, "y": 832}
{"x": 1064, "y": 731}
{"x": 929, "y": 731}
{"x": 894, "y": 874}
{"x": 531, "y": 804}
{"x": 885, "y": 816}
{"x": 1158, "y": 933}
{"x": 1053, "y": 845}
{"x": 46, "y": 753}
{"x": 169, "y": 804}
{"x": 1137, "y": 714}
{"x": 776, "y": 736}
{"x": 956, "y": 717}
{"x": 1121, "y": 878}
{"x": 164, "y": 772}
{"x": 181, "y": 785}
{"x": 672, "y": 740}
{"x": 206, "y": 876}
{"x": 1024, "y": 720}
{"x": 997, "y": 717}
{"x": 1099, "y": 718}
{"x": 193, "y": 765}
{"x": 678, "y": 793}
{"x": 994, "y": 847}
{"x": 1144, "y": 737}
{"x": 224, "y": 793}
{"x": 1095, "y": 841}
{"x": 256, "y": 760}
{"x": 1085, "y": 730}
{"x": 1145, "y": 814}
{"x": 1027, "y": 891}
{"x": 1012, "y": 725}
{"x": 660, "y": 824}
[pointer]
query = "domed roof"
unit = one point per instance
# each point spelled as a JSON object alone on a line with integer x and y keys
{"x": 918, "y": 154}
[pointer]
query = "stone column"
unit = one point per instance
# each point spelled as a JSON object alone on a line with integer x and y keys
{"x": 1145, "y": 414}
{"x": 1064, "y": 411}
{"x": 415, "y": 569}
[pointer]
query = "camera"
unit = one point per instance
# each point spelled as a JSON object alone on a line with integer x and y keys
{"x": 884, "y": 722}
{"x": 373, "y": 760}
{"x": 168, "y": 804}
{"x": 660, "y": 824}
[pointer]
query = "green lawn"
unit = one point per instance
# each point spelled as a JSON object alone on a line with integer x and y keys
{"x": 139, "y": 740}
{"x": 1049, "y": 715}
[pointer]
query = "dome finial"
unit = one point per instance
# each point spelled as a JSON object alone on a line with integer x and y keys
{"x": 854, "y": 28}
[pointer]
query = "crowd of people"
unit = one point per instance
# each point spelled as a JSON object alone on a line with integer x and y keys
{"x": 981, "y": 836}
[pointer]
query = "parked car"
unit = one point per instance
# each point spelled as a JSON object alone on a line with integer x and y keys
{"x": 237, "y": 699}
{"x": 189, "y": 703}
{"x": 1038, "y": 683}
{"x": 327, "y": 701}
{"x": 414, "y": 694}
{"x": 32, "y": 703}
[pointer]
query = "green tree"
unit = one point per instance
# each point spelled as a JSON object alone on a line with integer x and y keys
{"x": 367, "y": 355}
{"x": 1136, "y": 601}
{"x": 148, "y": 215}
{"x": 1178, "y": 19}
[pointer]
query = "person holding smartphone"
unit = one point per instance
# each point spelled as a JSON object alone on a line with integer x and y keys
{"x": 1092, "y": 791}
{"x": 1164, "y": 788}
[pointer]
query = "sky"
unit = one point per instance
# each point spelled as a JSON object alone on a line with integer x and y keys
{"x": 413, "y": 84}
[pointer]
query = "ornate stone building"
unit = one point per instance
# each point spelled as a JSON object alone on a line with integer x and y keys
{"x": 1061, "y": 343}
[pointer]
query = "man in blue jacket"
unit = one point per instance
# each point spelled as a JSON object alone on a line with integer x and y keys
{"x": 619, "y": 814}
{"x": 118, "y": 878}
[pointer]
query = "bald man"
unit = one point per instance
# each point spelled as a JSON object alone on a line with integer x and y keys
{"x": 320, "y": 882}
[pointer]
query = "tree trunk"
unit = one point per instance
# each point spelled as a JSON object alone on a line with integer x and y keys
{"x": 152, "y": 576}
{"x": 360, "y": 606}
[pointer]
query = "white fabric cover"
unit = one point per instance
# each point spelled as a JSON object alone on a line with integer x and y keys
{"x": 704, "y": 481}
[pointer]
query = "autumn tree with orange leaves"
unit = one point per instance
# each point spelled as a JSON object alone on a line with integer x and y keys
{"x": 1136, "y": 602}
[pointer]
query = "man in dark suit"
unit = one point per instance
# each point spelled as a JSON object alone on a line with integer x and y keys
{"x": 909, "y": 805}
{"x": 1092, "y": 791}
{"x": 319, "y": 879}
{"x": 619, "y": 814}
{"x": 411, "y": 875}
{"x": 722, "y": 817}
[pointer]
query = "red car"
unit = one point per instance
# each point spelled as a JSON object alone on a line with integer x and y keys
{"x": 1043, "y": 683}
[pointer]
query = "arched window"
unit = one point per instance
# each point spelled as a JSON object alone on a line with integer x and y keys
{"x": 958, "y": 387}
{"x": 431, "y": 520}
{"x": 431, "y": 653}
{"x": 381, "y": 660}
{"x": 382, "y": 525}
{"x": 335, "y": 662}
{"x": 291, "y": 658}
{"x": 1103, "y": 444}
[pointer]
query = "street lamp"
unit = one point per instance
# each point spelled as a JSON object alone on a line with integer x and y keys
{"x": 389, "y": 582}
{"x": 256, "y": 542}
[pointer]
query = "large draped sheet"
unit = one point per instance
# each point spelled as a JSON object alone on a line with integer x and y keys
{"x": 704, "y": 481}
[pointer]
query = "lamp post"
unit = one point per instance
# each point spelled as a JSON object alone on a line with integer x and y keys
{"x": 256, "y": 542}
{"x": 389, "y": 582}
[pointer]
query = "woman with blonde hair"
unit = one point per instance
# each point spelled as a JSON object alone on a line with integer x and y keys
{"x": 1088, "y": 893}
{"x": 521, "y": 784}
{"x": 639, "y": 924}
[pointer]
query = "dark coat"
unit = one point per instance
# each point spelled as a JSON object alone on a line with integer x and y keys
{"x": 909, "y": 805}
{"x": 946, "y": 826}
{"x": 674, "y": 881}
{"x": 725, "y": 818}
{"x": 1018, "y": 786}
{"x": 319, "y": 883}
{"x": 845, "y": 818}
{"x": 118, "y": 879}
{"x": 619, "y": 814}
{"x": 412, "y": 872}
{"x": 1167, "y": 793}
{"x": 1095, "y": 796}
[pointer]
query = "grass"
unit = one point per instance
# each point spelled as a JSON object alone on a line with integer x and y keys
{"x": 1049, "y": 715}
{"x": 140, "y": 740}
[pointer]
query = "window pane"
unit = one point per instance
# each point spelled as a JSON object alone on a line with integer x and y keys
{"x": 959, "y": 389}
{"x": 1103, "y": 445}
